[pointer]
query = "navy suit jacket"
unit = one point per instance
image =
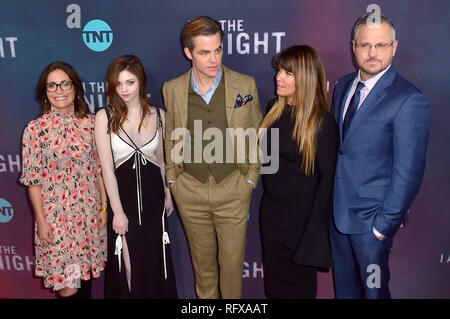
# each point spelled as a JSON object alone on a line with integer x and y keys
{"x": 381, "y": 162}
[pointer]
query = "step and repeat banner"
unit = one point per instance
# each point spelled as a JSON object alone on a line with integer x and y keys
{"x": 89, "y": 34}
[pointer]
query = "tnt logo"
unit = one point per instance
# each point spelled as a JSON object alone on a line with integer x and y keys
{"x": 6, "y": 211}
{"x": 97, "y": 35}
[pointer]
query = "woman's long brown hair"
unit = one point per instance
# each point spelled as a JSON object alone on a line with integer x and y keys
{"x": 118, "y": 107}
{"x": 81, "y": 108}
{"x": 310, "y": 99}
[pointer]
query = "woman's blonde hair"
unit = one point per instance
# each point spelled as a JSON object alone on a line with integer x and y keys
{"x": 310, "y": 99}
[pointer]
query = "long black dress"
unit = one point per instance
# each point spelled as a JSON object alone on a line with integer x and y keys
{"x": 150, "y": 260}
{"x": 295, "y": 212}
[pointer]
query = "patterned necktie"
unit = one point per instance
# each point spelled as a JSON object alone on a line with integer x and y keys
{"x": 351, "y": 110}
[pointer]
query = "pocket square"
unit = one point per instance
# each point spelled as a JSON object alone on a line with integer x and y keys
{"x": 242, "y": 101}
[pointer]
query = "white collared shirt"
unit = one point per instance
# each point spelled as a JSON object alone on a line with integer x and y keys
{"x": 206, "y": 97}
{"x": 369, "y": 84}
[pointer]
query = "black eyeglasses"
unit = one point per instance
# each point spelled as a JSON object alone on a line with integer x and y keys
{"x": 53, "y": 87}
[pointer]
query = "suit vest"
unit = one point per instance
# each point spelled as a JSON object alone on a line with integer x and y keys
{"x": 210, "y": 116}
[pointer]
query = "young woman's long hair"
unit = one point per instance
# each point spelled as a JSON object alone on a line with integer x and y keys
{"x": 310, "y": 103}
{"x": 81, "y": 108}
{"x": 118, "y": 107}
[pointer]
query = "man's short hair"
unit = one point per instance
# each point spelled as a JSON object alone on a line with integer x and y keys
{"x": 199, "y": 26}
{"x": 372, "y": 19}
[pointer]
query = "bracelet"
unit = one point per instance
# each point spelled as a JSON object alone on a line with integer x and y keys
{"x": 103, "y": 209}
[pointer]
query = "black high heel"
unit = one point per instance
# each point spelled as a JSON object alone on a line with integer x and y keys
{"x": 85, "y": 289}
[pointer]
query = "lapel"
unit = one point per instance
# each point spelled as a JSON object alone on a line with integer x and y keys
{"x": 375, "y": 96}
{"x": 181, "y": 97}
{"x": 231, "y": 92}
{"x": 342, "y": 100}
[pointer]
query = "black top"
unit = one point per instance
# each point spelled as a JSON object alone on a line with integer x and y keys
{"x": 296, "y": 208}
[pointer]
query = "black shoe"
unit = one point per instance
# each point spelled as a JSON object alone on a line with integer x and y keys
{"x": 76, "y": 295}
{"x": 85, "y": 290}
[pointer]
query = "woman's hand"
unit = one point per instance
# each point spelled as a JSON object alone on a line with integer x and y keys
{"x": 169, "y": 205}
{"x": 120, "y": 223}
{"x": 101, "y": 220}
{"x": 45, "y": 234}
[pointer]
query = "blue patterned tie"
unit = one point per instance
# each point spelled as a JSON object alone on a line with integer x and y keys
{"x": 351, "y": 110}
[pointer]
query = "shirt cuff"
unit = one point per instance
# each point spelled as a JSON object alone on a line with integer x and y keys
{"x": 378, "y": 234}
{"x": 170, "y": 182}
{"x": 253, "y": 184}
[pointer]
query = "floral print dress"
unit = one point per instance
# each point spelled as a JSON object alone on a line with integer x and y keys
{"x": 59, "y": 153}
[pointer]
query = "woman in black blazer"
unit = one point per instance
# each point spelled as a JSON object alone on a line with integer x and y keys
{"x": 297, "y": 202}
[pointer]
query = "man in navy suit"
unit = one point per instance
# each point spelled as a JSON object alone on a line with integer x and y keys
{"x": 383, "y": 123}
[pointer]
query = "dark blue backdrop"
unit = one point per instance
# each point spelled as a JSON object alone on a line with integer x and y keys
{"x": 35, "y": 33}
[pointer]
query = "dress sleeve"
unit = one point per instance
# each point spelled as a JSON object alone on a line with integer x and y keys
{"x": 31, "y": 156}
{"x": 313, "y": 248}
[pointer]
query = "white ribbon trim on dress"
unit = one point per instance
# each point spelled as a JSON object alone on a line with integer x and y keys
{"x": 165, "y": 240}
{"x": 138, "y": 159}
{"x": 118, "y": 250}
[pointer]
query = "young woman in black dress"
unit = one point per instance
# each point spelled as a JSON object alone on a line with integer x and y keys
{"x": 129, "y": 136}
{"x": 296, "y": 205}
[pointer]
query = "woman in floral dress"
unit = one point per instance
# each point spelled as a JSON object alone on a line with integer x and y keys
{"x": 61, "y": 169}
